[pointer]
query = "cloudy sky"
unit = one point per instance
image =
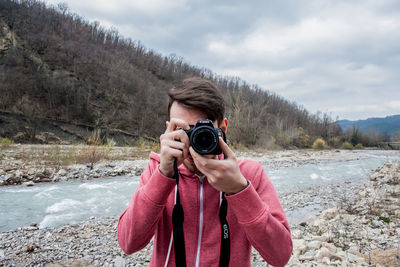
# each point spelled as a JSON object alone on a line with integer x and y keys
{"x": 336, "y": 56}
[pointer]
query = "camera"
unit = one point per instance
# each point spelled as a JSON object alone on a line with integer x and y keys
{"x": 204, "y": 137}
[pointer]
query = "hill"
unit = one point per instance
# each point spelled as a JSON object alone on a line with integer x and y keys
{"x": 55, "y": 65}
{"x": 389, "y": 125}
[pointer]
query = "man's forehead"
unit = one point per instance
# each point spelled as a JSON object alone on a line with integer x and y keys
{"x": 189, "y": 115}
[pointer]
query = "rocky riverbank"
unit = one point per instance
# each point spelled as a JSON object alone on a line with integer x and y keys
{"x": 361, "y": 229}
{"x": 31, "y": 164}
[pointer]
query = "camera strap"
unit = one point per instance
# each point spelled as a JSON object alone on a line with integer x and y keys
{"x": 225, "y": 234}
{"x": 177, "y": 226}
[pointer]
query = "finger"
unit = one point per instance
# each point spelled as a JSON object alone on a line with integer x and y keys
{"x": 177, "y": 135}
{"x": 203, "y": 162}
{"x": 182, "y": 147}
{"x": 199, "y": 161}
{"x": 225, "y": 149}
{"x": 174, "y": 153}
{"x": 175, "y": 123}
{"x": 173, "y": 144}
{"x": 182, "y": 136}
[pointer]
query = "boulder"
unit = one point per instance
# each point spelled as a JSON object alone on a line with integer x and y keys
{"x": 330, "y": 213}
{"x": 62, "y": 172}
{"x": 29, "y": 183}
{"x": 325, "y": 253}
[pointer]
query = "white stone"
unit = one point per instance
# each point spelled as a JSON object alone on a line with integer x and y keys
{"x": 330, "y": 213}
{"x": 330, "y": 247}
{"x": 29, "y": 183}
{"x": 297, "y": 234}
{"x": 62, "y": 172}
{"x": 119, "y": 262}
{"x": 324, "y": 252}
{"x": 354, "y": 250}
{"x": 314, "y": 244}
{"x": 298, "y": 243}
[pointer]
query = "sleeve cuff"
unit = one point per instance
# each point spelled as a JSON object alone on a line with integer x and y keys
{"x": 159, "y": 187}
{"x": 246, "y": 204}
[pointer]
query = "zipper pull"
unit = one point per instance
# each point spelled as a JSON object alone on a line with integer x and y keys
{"x": 201, "y": 178}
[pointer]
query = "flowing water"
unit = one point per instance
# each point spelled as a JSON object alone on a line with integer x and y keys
{"x": 54, "y": 204}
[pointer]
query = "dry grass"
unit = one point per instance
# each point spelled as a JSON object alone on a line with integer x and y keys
{"x": 63, "y": 155}
{"x": 5, "y": 142}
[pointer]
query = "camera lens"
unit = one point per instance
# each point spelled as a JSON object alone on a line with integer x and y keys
{"x": 204, "y": 140}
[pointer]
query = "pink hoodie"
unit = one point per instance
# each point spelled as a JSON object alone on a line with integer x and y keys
{"x": 255, "y": 218}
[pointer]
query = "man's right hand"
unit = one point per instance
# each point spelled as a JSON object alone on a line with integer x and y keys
{"x": 174, "y": 144}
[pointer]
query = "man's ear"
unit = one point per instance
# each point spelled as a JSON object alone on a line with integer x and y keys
{"x": 224, "y": 125}
{"x": 166, "y": 124}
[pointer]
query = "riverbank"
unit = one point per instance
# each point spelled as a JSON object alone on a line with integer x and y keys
{"x": 361, "y": 227}
{"x": 32, "y": 164}
{"x": 363, "y": 230}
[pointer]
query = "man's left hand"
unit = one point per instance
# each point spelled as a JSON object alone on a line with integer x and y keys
{"x": 224, "y": 175}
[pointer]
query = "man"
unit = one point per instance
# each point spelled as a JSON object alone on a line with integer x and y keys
{"x": 254, "y": 214}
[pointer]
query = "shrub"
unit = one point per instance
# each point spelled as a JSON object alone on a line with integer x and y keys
{"x": 239, "y": 146}
{"x": 302, "y": 141}
{"x": 359, "y": 146}
{"x": 319, "y": 143}
{"x": 146, "y": 144}
{"x": 346, "y": 145}
{"x": 94, "y": 151}
{"x": 334, "y": 141}
{"x": 4, "y": 142}
{"x": 283, "y": 139}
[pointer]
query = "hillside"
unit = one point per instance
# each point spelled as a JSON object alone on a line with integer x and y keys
{"x": 55, "y": 65}
{"x": 389, "y": 125}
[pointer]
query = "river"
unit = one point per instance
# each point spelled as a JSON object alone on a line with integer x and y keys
{"x": 54, "y": 204}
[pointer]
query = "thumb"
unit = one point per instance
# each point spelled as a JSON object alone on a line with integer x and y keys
{"x": 225, "y": 149}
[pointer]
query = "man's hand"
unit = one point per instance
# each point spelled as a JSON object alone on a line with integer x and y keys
{"x": 223, "y": 175}
{"x": 174, "y": 144}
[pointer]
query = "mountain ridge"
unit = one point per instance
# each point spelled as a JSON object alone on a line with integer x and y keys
{"x": 388, "y": 125}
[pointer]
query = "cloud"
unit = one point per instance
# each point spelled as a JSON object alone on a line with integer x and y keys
{"x": 340, "y": 57}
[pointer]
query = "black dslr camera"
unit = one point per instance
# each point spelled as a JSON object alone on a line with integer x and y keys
{"x": 204, "y": 137}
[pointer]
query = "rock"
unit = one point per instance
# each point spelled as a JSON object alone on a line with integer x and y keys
{"x": 31, "y": 228}
{"x": 354, "y": 250}
{"x": 356, "y": 259}
{"x": 119, "y": 262}
{"x": 30, "y": 183}
{"x": 299, "y": 246}
{"x": 19, "y": 137}
{"x": 31, "y": 247}
{"x": 73, "y": 263}
{"x": 298, "y": 242}
{"x": 330, "y": 247}
{"x": 390, "y": 257}
{"x": 62, "y": 172}
{"x": 325, "y": 253}
{"x": 348, "y": 219}
{"x": 374, "y": 176}
{"x": 31, "y": 171}
{"x": 1, "y": 253}
{"x": 314, "y": 244}
{"x": 330, "y": 213}
{"x": 322, "y": 238}
{"x": 18, "y": 174}
{"x": 297, "y": 234}
{"x": 316, "y": 222}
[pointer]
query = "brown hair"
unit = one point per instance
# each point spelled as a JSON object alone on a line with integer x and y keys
{"x": 199, "y": 94}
